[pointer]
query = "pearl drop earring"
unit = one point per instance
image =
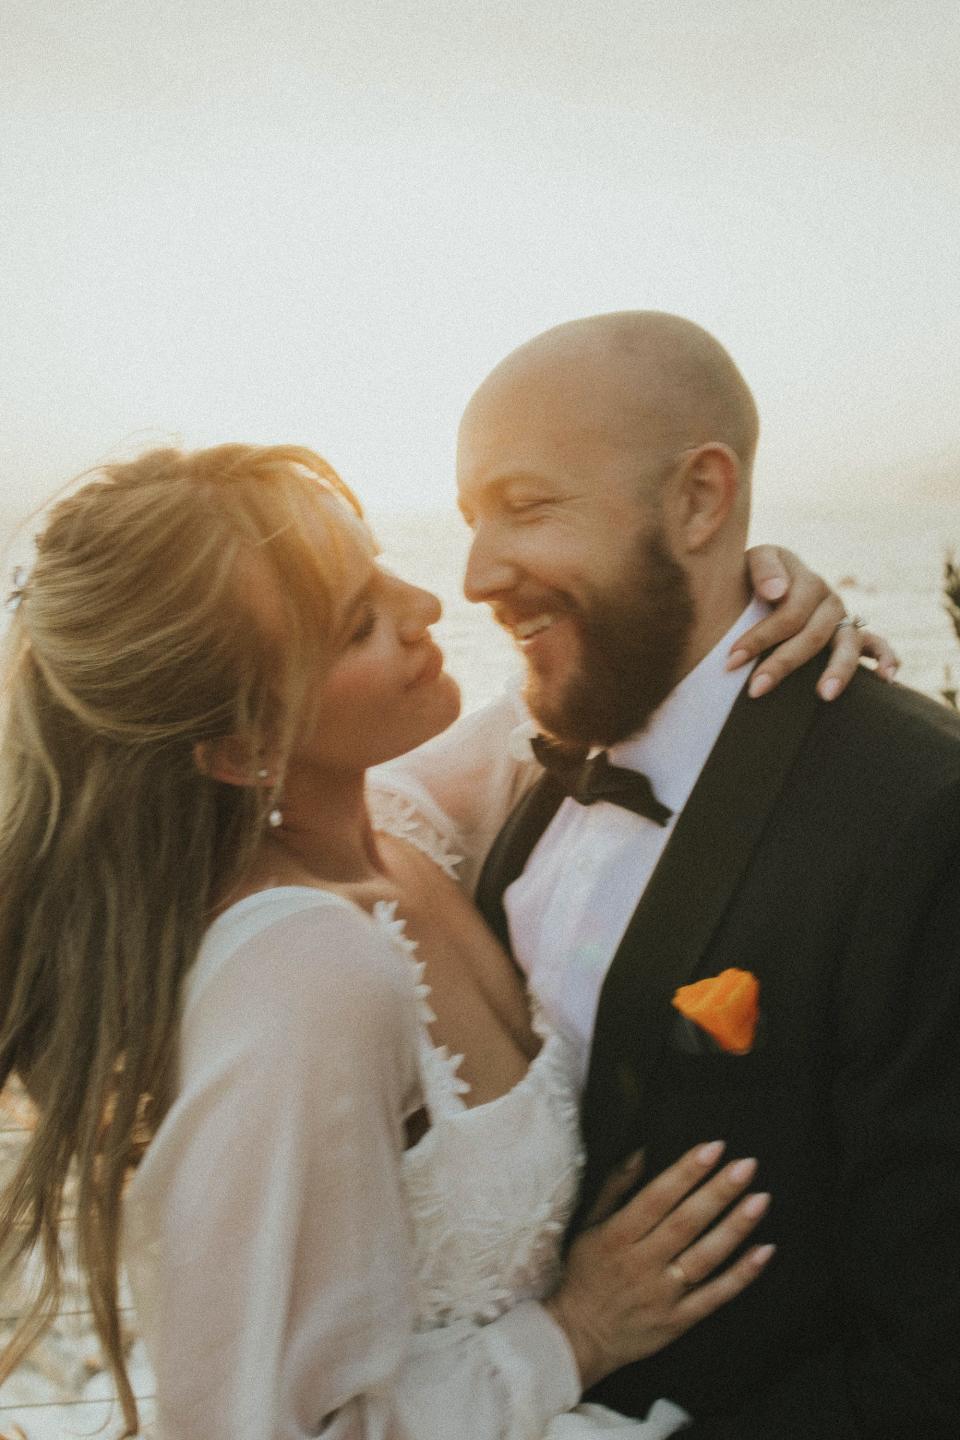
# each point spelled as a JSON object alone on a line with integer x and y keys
{"x": 275, "y": 818}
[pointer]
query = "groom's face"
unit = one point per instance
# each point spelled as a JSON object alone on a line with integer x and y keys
{"x": 571, "y": 555}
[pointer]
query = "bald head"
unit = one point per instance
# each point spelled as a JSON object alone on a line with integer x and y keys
{"x": 651, "y": 384}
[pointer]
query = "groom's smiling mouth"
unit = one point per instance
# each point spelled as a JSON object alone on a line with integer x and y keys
{"x": 540, "y": 633}
{"x": 525, "y": 630}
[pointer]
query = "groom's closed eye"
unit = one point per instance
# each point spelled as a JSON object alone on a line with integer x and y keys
{"x": 526, "y": 507}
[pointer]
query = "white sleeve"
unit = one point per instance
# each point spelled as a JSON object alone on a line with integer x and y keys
{"x": 465, "y": 782}
{"x": 282, "y": 1299}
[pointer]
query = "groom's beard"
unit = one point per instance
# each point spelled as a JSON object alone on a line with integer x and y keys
{"x": 632, "y": 644}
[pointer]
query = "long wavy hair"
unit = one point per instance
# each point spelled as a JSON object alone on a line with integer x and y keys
{"x": 135, "y": 643}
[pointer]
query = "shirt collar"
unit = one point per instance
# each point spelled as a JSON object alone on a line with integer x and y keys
{"x": 674, "y": 746}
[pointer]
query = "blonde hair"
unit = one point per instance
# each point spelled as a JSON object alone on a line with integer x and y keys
{"x": 137, "y": 642}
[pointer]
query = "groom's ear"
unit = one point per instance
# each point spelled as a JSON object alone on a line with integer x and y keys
{"x": 704, "y": 495}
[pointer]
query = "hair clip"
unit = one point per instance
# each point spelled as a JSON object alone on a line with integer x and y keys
{"x": 19, "y": 578}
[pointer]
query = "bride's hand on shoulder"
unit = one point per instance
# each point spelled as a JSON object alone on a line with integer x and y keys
{"x": 636, "y": 1280}
{"x": 807, "y": 615}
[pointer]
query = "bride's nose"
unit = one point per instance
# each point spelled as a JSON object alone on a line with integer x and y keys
{"x": 418, "y": 610}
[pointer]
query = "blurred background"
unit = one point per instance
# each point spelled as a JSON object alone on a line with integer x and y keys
{"x": 323, "y": 221}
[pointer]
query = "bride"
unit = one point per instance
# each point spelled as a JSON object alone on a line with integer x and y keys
{"x": 299, "y": 1082}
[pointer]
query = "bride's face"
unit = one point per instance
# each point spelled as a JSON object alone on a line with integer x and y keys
{"x": 386, "y": 690}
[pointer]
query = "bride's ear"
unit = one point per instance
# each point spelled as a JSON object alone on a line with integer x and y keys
{"x": 229, "y": 760}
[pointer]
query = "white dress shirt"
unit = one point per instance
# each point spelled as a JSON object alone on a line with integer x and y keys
{"x": 568, "y": 910}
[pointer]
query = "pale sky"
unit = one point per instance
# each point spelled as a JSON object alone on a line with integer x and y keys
{"x": 324, "y": 222}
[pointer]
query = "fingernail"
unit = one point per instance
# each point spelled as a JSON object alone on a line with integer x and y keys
{"x": 761, "y": 1254}
{"x": 736, "y": 658}
{"x": 709, "y": 1154}
{"x": 754, "y": 1205}
{"x": 741, "y": 1170}
{"x": 830, "y": 689}
{"x": 773, "y": 589}
{"x": 759, "y": 685}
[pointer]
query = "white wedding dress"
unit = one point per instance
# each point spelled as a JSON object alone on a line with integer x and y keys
{"x": 491, "y": 1188}
{"x": 490, "y": 1191}
{"x": 287, "y": 1255}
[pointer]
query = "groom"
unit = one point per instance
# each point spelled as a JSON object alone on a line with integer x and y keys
{"x": 605, "y": 471}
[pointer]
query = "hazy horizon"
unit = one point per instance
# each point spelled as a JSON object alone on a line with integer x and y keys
{"x": 324, "y": 223}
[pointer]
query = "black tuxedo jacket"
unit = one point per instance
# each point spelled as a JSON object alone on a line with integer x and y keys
{"x": 820, "y": 849}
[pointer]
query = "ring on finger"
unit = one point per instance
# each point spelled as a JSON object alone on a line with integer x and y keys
{"x": 676, "y": 1272}
{"x": 855, "y": 622}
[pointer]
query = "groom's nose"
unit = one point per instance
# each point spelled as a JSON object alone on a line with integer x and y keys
{"x": 490, "y": 569}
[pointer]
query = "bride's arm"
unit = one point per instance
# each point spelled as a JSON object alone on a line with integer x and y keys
{"x": 283, "y": 1302}
{"x": 457, "y": 789}
{"x": 268, "y": 1206}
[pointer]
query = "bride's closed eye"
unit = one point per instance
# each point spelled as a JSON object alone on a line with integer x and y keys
{"x": 364, "y": 625}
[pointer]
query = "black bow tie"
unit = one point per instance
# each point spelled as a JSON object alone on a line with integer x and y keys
{"x": 588, "y": 781}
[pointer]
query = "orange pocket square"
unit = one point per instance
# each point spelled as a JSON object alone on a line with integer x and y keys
{"x": 725, "y": 1005}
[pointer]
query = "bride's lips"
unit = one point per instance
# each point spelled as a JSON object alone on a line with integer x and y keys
{"x": 430, "y": 668}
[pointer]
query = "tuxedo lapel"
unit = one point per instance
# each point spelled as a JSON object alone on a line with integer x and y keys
{"x": 685, "y": 899}
{"x": 512, "y": 849}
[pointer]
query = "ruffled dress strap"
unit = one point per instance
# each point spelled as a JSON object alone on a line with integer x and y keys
{"x": 399, "y": 815}
{"x": 442, "y": 1084}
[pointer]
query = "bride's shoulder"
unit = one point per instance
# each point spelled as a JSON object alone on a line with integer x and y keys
{"x": 298, "y": 945}
{"x": 298, "y": 1004}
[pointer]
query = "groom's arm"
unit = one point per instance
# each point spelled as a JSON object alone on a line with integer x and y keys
{"x": 897, "y": 1127}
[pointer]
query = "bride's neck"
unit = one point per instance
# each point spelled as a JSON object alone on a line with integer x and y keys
{"x": 325, "y": 828}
